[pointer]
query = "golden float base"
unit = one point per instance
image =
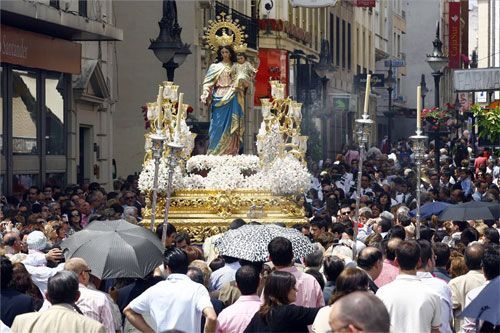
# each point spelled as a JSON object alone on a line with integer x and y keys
{"x": 204, "y": 213}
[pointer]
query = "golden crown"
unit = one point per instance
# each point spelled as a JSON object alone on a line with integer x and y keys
{"x": 224, "y": 39}
{"x": 224, "y": 31}
{"x": 242, "y": 48}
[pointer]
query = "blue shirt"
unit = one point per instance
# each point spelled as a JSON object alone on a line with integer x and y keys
{"x": 224, "y": 275}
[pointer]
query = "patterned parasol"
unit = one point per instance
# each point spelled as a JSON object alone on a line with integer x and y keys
{"x": 249, "y": 242}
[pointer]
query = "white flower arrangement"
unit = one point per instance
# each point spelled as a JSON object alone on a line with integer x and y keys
{"x": 224, "y": 177}
{"x": 285, "y": 176}
{"x": 146, "y": 177}
{"x": 209, "y": 162}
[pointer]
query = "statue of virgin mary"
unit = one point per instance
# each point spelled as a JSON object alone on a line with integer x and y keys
{"x": 226, "y": 102}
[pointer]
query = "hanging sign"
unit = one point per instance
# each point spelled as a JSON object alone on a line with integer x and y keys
{"x": 454, "y": 35}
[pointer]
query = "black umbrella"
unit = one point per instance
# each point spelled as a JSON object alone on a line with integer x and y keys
{"x": 473, "y": 210}
{"x": 115, "y": 249}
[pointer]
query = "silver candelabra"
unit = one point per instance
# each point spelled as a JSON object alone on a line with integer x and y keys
{"x": 418, "y": 154}
{"x": 157, "y": 140}
{"x": 364, "y": 125}
{"x": 175, "y": 147}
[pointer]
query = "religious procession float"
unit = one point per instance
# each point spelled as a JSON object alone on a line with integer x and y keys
{"x": 202, "y": 194}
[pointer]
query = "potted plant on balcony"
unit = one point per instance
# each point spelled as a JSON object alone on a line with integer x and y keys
{"x": 438, "y": 119}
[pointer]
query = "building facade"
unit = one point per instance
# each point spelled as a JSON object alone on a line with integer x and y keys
{"x": 47, "y": 84}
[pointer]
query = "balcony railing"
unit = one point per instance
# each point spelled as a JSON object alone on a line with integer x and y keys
{"x": 251, "y": 25}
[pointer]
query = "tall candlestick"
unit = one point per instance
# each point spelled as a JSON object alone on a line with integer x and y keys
{"x": 159, "y": 110}
{"x": 179, "y": 114}
{"x": 419, "y": 107}
{"x": 367, "y": 93}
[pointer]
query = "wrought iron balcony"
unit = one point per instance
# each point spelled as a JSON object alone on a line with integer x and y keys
{"x": 251, "y": 25}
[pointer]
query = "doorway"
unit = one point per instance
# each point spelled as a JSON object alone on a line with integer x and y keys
{"x": 85, "y": 161}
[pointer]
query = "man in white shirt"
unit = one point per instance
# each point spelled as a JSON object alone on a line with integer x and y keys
{"x": 439, "y": 286}
{"x": 176, "y": 303}
{"x": 93, "y": 304}
{"x": 462, "y": 284}
{"x": 491, "y": 270}
{"x": 412, "y": 306}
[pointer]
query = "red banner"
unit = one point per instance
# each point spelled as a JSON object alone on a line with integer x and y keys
{"x": 454, "y": 35}
{"x": 365, "y": 3}
{"x": 273, "y": 65}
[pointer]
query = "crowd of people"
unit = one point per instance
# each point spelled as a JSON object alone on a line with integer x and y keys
{"x": 383, "y": 279}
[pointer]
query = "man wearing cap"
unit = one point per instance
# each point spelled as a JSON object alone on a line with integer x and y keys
{"x": 36, "y": 260}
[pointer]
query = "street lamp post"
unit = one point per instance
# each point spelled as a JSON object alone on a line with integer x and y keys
{"x": 389, "y": 81}
{"x": 437, "y": 61}
{"x": 473, "y": 64}
{"x": 322, "y": 69}
{"x": 168, "y": 46}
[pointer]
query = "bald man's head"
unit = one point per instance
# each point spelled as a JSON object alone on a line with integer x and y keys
{"x": 360, "y": 311}
{"x": 80, "y": 268}
{"x": 473, "y": 255}
{"x": 76, "y": 265}
{"x": 392, "y": 245}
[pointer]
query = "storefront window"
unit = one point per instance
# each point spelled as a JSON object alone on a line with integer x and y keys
{"x": 54, "y": 113}
{"x": 55, "y": 179}
{"x": 24, "y": 112}
{"x": 1, "y": 112}
{"x": 22, "y": 182}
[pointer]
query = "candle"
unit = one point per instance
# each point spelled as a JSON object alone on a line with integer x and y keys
{"x": 179, "y": 114}
{"x": 159, "y": 101}
{"x": 173, "y": 93}
{"x": 419, "y": 107}
{"x": 367, "y": 93}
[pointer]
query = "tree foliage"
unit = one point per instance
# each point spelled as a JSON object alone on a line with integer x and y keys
{"x": 488, "y": 121}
